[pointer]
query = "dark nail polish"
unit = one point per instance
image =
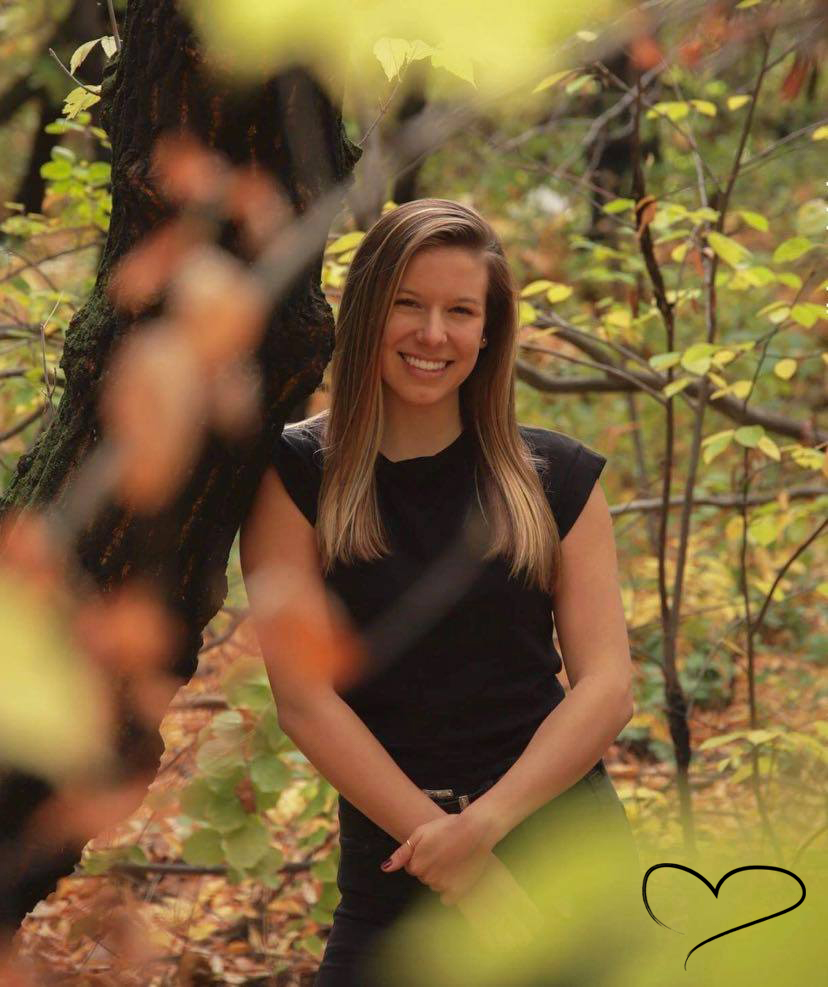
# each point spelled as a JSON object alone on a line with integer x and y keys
{"x": 386, "y": 864}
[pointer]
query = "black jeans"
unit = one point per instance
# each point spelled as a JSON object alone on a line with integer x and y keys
{"x": 372, "y": 900}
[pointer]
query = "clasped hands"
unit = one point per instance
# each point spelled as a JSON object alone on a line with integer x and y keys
{"x": 448, "y": 854}
{"x": 451, "y": 855}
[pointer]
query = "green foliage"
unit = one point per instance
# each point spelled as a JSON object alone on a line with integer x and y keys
{"x": 245, "y": 763}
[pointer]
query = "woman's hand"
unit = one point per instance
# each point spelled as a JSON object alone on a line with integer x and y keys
{"x": 447, "y": 854}
{"x": 500, "y": 913}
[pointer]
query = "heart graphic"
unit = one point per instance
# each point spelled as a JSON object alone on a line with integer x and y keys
{"x": 715, "y": 891}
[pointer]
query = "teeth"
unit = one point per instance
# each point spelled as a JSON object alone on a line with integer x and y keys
{"x": 423, "y": 364}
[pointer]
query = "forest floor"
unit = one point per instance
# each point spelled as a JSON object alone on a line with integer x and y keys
{"x": 152, "y": 927}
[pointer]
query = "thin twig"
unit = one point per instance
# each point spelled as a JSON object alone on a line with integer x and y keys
{"x": 43, "y": 325}
{"x": 74, "y": 78}
{"x": 113, "y": 21}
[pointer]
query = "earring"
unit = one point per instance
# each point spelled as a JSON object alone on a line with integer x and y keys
{"x": 483, "y": 341}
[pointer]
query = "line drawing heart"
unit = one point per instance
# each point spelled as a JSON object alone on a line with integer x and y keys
{"x": 715, "y": 891}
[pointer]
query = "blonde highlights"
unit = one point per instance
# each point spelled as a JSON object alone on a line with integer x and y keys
{"x": 517, "y": 513}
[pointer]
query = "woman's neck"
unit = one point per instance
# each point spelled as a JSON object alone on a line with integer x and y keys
{"x": 418, "y": 435}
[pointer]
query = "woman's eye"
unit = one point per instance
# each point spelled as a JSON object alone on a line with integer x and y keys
{"x": 468, "y": 311}
{"x": 406, "y": 301}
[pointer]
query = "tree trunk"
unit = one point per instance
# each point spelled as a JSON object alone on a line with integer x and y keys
{"x": 289, "y": 128}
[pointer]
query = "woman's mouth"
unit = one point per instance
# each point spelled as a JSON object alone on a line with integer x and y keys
{"x": 425, "y": 368}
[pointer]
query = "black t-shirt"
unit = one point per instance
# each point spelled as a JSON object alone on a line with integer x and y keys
{"x": 466, "y": 665}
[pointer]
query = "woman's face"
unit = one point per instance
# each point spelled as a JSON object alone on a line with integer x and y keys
{"x": 437, "y": 315}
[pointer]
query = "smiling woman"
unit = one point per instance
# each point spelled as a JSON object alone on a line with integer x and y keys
{"x": 449, "y": 534}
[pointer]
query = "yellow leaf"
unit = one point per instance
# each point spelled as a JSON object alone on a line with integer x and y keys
{"x": 820, "y": 134}
{"x": 676, "y": 386}
{"x": 737, "y": 102}
{"x": 45, "y": 683}
{"x": 558, "y": 293}
{"x": 535, "y": 288}
{"x": 80, "y": 54}
{"x": 769, "y": 447}
{"x": 456, "y": 62}
{"x": 346, "y": 242}
{"x": 785, "y": 369}
{"x": 551, "y": 80}
{"x": 526, "y": 314}
{"x": 704, "y": 106}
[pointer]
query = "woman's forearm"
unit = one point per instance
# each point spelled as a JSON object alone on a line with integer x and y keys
{"x": 345, "y": 752}
{"x": 572, "y": 738}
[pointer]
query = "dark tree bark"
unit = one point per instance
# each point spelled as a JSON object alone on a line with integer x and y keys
{"x": 289, "y": 128}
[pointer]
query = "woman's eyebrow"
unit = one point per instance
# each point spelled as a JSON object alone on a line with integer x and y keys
{"x": 465, "y": 298}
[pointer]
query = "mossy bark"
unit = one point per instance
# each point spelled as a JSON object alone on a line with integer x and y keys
{"x": 289, "y": 127}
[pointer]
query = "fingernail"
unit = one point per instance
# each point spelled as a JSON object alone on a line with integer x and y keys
{"x": 386, "y": 864}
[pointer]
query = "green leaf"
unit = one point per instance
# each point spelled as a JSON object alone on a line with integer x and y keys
{"x": 749, "y": 435}
{"x": 56, "y": 171}
{"x": 269, "y": 866}
{"x": 716, "y": 444}
{"x": 324, "y": 869}
{"x": 754, "y": 219}
{"x": 696, "y": 358}
{"x": 663, "y": 361}
{"x": 269, "y": 773}
{"x": 109, "y": 45}
{"x": 203, "y": 848}
{"x": 729, "y": 250}
{"x": 619, "y": 205}
{"x": 791, "y": 249}
{"x": 219, "y": 756}
{"x": 100, "y": 861}
{"x": 195, "y": 798}
{"x": 246, "y": 846}
{"x": 675, "y": 386}
{"x": 806, "y": 314}
{"x": 100, "y": 173}
{"x": 225, "y": 814}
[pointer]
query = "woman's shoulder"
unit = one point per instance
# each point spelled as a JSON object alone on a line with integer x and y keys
{"x": 568, "y": 470}
{"x": 557, "y": 449}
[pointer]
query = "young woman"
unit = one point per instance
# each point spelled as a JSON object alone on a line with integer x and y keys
{"x": 455, "y": 738}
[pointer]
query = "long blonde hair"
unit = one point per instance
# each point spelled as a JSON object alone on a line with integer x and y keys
{"x": 349, "y": 527}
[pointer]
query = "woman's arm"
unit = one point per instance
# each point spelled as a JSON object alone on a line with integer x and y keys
{"x": 592, "y": 630}
{"x": 340, "y": 746}
{"x": 307, "y": 646}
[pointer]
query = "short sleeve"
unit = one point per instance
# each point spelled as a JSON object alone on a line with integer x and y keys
{"x": 584, "y": 470}
{"x": 296, "y": 463}
{"x": 569, "y": 472}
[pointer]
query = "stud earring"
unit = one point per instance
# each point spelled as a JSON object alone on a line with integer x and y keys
{"x": 483, "y": 341}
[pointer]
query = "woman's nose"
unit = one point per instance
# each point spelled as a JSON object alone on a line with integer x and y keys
{"x": 432, "y": 327}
